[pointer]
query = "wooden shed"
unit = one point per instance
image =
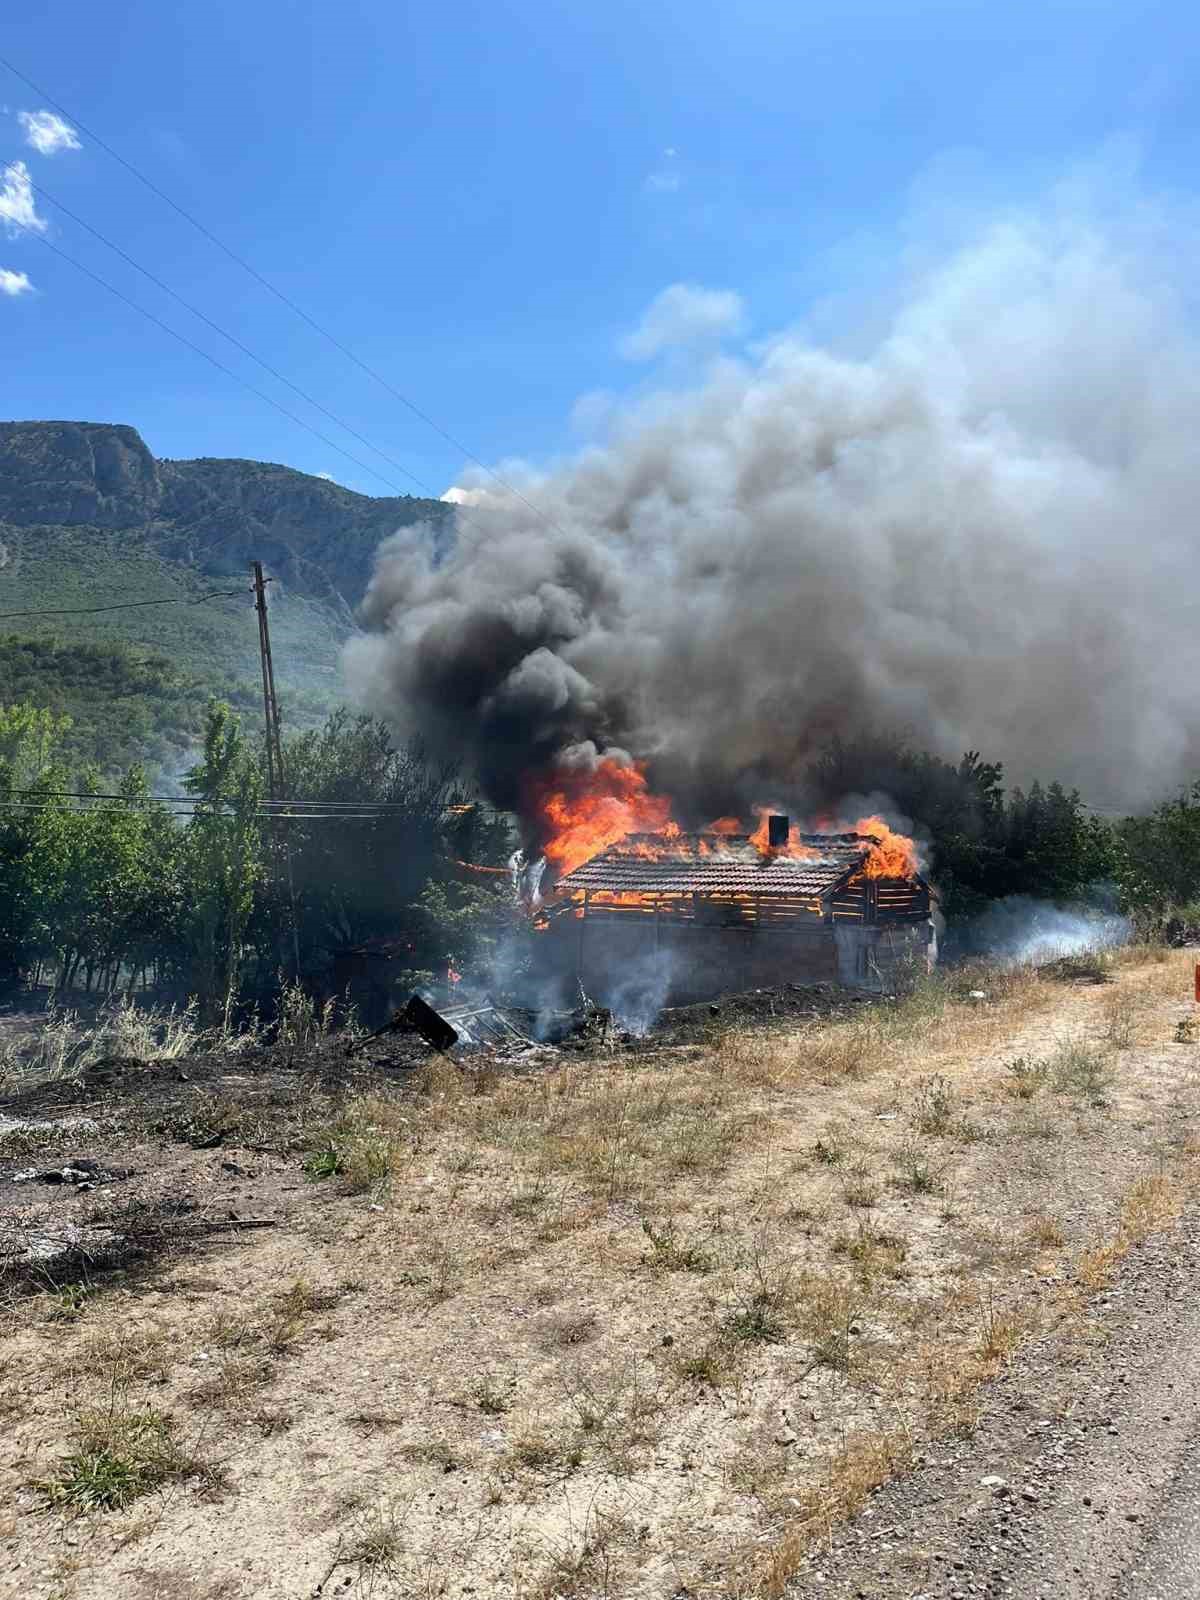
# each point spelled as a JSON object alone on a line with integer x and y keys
{"x": 728, "y": 915}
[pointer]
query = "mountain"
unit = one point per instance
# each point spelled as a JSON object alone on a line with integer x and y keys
{"x": 90, "y": 517}
{"x": 212, "y": 515}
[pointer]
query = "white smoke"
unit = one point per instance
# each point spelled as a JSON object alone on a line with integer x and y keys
{"x": 979, "y": 533}
{"x": 1021, "y": 930}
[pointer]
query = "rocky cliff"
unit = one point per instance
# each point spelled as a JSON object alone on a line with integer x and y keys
{"x": 211, "y": 515}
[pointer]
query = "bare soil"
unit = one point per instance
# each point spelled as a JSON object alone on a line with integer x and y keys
{"x": 654, "y": 1320}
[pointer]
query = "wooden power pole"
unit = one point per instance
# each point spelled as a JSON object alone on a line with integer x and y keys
{"x": 275, "y": 780}
{"x": 270, "y": 703}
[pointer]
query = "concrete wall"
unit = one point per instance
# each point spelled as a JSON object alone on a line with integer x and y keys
{"x": 624, "y": 964}
{"x": 687, "y": 964}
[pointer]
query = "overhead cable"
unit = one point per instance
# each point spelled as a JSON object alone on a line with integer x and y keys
{"x": 278, "y": 293}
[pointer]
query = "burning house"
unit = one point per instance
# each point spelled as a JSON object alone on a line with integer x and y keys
{"x": 716, "y": 912}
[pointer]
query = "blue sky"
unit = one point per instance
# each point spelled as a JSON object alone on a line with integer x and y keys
{"x": 483, "y": 199}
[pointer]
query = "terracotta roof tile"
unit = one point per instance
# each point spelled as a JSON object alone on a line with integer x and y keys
{"x": 710, "y": 864}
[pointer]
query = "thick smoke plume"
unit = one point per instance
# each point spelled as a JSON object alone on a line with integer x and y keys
{"x": 980, "y": 534}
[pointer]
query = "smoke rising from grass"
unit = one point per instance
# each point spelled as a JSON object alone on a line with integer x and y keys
{"x": 980, "y": 533}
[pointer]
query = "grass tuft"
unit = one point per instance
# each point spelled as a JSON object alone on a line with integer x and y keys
{"x": 119, "y": 1455}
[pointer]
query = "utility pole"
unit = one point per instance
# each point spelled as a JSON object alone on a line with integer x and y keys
{"x": 275, "y": 779}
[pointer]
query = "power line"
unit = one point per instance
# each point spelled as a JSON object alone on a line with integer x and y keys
{"x": 284, "y": 299}
{"x": 198, "y": 810}
{"x": 125, "y": 605}
{"x": 374, "y": 807}
{"x": 260, "y": 394}
{"x": 231, "y": 338}
{"x": 220, "y": 365}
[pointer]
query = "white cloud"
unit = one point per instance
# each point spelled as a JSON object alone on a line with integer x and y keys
{"x": 17, "y": 209}
{"x": 14, "y": 283}
{"x": 665, "y": 178}
{"x": 328, "y": 476}
{"x": 46, "y": 133}
{"x": 684, "y": 314}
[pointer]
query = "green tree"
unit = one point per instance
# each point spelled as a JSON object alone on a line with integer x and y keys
{"x": 221, "y": 862}
{"x": 1158, "y": 856}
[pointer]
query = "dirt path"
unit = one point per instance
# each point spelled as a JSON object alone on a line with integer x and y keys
{"x": 631, "y": 1327}
{"x": 1080, "y": 1481}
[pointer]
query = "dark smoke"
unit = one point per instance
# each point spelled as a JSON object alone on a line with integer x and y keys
{"x": 981, "y": 534}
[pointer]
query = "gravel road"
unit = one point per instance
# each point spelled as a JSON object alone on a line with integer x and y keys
{"x": 1082, "y": 1481}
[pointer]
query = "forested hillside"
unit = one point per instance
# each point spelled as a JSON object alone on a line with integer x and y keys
{"x": 89, "y": 517}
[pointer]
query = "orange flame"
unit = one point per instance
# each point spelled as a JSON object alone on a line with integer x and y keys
{"x": 794, "y": 848}
{"x": 584, "y": 810}
{"x": 891, "y": 854}
{"x": 725, "y": 825}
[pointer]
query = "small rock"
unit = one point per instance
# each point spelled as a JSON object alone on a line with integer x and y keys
{"x": 993, "y": 1481}
{"x": 1030, "y": 1494}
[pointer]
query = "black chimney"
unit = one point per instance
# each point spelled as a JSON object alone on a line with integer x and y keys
{"x": 777, "y": 831}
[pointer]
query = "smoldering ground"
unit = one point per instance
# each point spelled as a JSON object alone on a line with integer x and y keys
{"x": 979, "y": 532}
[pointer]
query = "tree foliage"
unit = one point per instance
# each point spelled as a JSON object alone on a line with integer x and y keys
{"x": 98, "y": 886}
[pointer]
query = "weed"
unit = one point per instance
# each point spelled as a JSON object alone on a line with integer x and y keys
{"x": 291, "y": 1309}
{"x": 756, "y": 1320}
{"x": 433, "y": 1452}
{"x": 361, "y": 1147}
{"x": 301, "y": 1021}
{"x": 131, "y": 1355}
{"x": 713, "y": 1364}
{"x": 1081, "y": 1070}
{"x": 916, "y": 1172}
{"x": 668, "y": 1253}
{"x": 934, "y": 1110}
{"x": 375, "y": 1543}
{"x": 229, "y": 1332}
{"x": 571, "y": 1328}
{"x": 69, "y": 1301}
{"x": 1185, "y": 1030}
{"x": 864, "y": 1462}
{"x": 1120, "y": 1017}
{"x": 1026, "y": 1077}
{"x": 829, "y": 1153}
{"x": 119, "y": 1454}
{"x": 829, "y": 1307}
{"x": 1045, "y": 1231}
{"x": 762, "y": 1301}
{"x": 231, "y": 1382}
{"x": 872, "y": 1251}
{"x": 1000, "y": 1331}
{"x": 860, "y": 1193}
{"x": 326, "y": 1161}
{"x": 538, "y": 1448}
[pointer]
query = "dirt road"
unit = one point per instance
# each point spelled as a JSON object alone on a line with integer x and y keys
{"x": 1082, "y": 1481}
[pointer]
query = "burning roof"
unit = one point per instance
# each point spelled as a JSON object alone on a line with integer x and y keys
{"x": 813, "y": 866}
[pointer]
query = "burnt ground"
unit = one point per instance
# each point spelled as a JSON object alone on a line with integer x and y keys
{"x": 133, "y": 1158}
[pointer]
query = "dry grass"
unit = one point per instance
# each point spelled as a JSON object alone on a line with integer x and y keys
{"x": 775, "y": 1265}
{"x": 862, "y": 1463}
{"x": 1149, "y": 1204}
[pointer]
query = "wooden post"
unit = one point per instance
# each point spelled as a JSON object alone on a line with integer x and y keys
{"x": 275, "y": 780}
